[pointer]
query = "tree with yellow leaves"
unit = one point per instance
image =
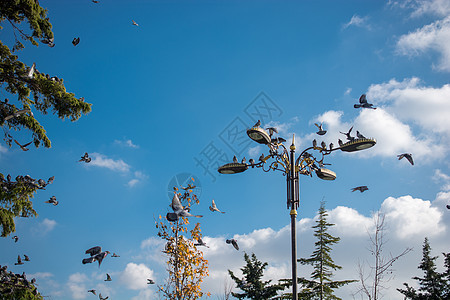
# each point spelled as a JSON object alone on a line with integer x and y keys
{"x": 185, "y": 263}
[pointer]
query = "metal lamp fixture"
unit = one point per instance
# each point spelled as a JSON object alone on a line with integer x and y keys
{"x": 284, "y": 160}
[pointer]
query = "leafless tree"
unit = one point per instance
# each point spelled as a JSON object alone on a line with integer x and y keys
{"x": 373, "y": 283}
{"x": 227, "y": 288}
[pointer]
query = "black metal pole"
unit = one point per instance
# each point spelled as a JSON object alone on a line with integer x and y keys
{"x": 293, "y": 213}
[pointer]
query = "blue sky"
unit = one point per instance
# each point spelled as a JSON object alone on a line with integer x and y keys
{"x": 172, "y": 89}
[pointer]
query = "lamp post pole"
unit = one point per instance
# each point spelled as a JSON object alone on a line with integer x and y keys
{"x": 292, "y": 192}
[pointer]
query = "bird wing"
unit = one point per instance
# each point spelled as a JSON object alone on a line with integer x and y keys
{"x": 318, "y": 126}
{"x": 94, "y": 250}
{"x": 410, "y": 159}
{"x": 363, "y": 99}
{"x": 176, "y": 204}
{"x": 27, "y": 144}
{"x": 235, "y": 244}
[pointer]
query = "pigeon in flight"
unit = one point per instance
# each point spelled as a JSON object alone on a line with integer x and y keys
{"x": 101, "y": 298}
{"x": 321, "y": 131}
{"x": 214, "y": 208}
{"x": 115, "y": 255}
{"x": 94, "y": 250}
{"x": 179, "y": 210}
{"x": 150, "y": 281}
{"x": 15, "y": 238}
{"x": 49, "y": 42}
{"x": 96, "y": 255}
{"x": 23, "y": 147}
{"x": 95, "y": 1}
{"x": 408, "y": 156}
{"x": 26, "y": 257}
{"x": 134, "y": 23}
{"x": 75, "y": 41}
{"x": 360, "y": 188}
{"x": 85, "y": 158}
{"x": 349, "y": 137}
{"x": 272, "y": 130}
{"x": 93, "y": 292}
{"x": 363, "y": 103}
{"x": 88, "y": 260}
{"x": 19, "y": 261}
{"x": 52, "y": 200}
{"x": 234, "y": 243}
{"x": 200, "y": 243}
{"x": 50, "y": 180}
{"x": 108, "y": 278}
{"x": 31, "y": 72}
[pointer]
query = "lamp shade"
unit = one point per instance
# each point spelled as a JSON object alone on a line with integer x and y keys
{"x": 358, "y": 144}
{"x": 259, "y": 135}
{"x": 232, "y": 168}
{"x": 326, "y": 174}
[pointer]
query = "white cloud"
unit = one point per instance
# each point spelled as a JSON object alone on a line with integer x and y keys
{"x": 3, "y": 149}
{"x": 357, "y": 21}
{"x": 126, "y": 143}
{"x": 103, "y": 161}
{"x": 421, "y": 7}
{"x": 255, "y": 151}
{"x": 439, "y": 176}
{"x": 139, "y": 177}
{"x": 135, "y": 276}
{"x": 434, "y": 36}
{"x": 146, "y": 294}
{"x": 77, "y": 286}
{"x": 47, "y": 225}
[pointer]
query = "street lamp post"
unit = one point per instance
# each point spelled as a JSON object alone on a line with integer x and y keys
{"x": 284, "y": 161}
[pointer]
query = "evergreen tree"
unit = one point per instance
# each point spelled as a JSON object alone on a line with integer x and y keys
{"x": 433, "y": 285}
{"x": 321, "y": 285}
{"x": 252, "y": 285}
{"x": 32, "y": 91}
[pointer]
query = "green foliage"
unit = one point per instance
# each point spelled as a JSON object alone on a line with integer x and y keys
{"x": 38, "y": 92}
{"x": 321, "y": 285}
{"x": 252, "y": 285}
{"x": 433, "y": 285}
{"x": 16, "y": 286}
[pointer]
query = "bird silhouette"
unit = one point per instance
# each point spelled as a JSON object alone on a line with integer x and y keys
{"x": 234, "y": 243}
{"x": 179, "y": 210}
{"x": 150, "y": 281}
{"x": 214, "y": 208}
{"x": 200, "y": 242}
{"x": 75, "y": 41}
{"x": 108, "y": 278}
{"x": 50, "y": 180}
{"x": 363, "y": 103}
{"x": 115, "y": 255}
{"x": 134, "y": 23}
{"x": 52, "y": 200}
{"x": 272, "y": 130}
{"x": 251, "y": 161}
{"x": 324, "y": 146}
{"x": 19, "y": 261}
{"x": 101, "y": 298}
{"x": 94, "y": 250}
{"x": 235, "y": 160}
{"x": 96, "y": 255}
{"x": 95, "y": 1}
{"x": 85, "y": 158}
{"x": 360, "y": 188}
{"x": 359, "y": 135}
{"x": 23, "y": 147}
{"x": 448, "y": 206}
{"x": 278, "y": 140}
{"x": 349, "y": 137}
{"x": 15, "y": 238}
{"x": 26, "y": 257}
{"x": 408, "y": 156}
{"x": 93, "y": 292}
{"x": 321, "y": 131}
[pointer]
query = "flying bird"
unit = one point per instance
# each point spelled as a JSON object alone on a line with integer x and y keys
{"x": 179, "y": 210}
{"x": 96, "y": 255}
{"x": 52, "y": 200}
{"x": 31, "y": 72}
{"x": 50, "y": 180}
{"x": 93, "y": 292}
{"x": 134, "y": 23}
{"x": 349, "y": 137}
{"x": 95, "y": 1}
{"x": 448, "y": 206}
{"x": 75, "y": 41}
{"x": 15, "y": 238}
{"x": 360, "y": 188}
{"x": 272, "y": 130}
{"x": 108, "y": 278}
{"x": 23, "y": 147}
{"x": 26, "y": 257}
{"x": 172, "y": 217}
{"x": 321, "y": 131}
{"x": 94, "y": 250}
{"x": 85, "y": 158}
{"x": 99, "y": 257}
{"x": 101, "y": 298}
{"x": 150, "y": 281}
{"x": 88, "y": 260}
{"x": 408, "y": 156}
{"x": 214, "y": 208}
{"x": 19, "y": 261}
{"x": 200, "y": 243}
{"x": 115, "y": 255}
{"x": 234, "y": 243}
{"x": 363, "y": 103}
